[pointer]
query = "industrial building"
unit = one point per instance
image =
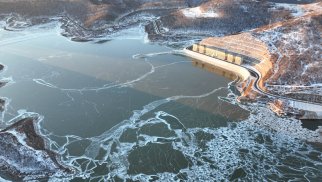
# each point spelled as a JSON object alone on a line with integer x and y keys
{"x": 218, "y": 53}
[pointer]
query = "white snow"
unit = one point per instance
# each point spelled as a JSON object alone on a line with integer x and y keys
{"x": 198, "y": 13}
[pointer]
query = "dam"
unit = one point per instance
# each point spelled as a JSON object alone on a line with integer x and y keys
{"x": 240, "y": 71}
{"x": 243, "y": 55}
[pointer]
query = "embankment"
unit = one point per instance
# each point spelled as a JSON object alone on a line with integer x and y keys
{"x": 243, "y": 73}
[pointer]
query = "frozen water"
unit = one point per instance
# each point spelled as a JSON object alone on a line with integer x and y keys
{"x": 127, "y": 109}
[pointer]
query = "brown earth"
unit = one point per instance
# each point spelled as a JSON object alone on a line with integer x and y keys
{"x": 83, "y": 19}
{"x": 88, "y": 19}
{"x": 296, "y": 48}
{"x": 232, "y": 17}
{"x": 289, "y": 51}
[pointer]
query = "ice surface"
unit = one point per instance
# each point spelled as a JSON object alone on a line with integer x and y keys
{"x": 259, "y": 147}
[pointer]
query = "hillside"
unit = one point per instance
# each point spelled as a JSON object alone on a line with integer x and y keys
{"x": 296, "y": 45}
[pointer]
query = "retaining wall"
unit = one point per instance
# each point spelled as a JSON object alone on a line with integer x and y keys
{"x": 243, "y": 73}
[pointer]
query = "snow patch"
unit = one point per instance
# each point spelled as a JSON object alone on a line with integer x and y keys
{"x": 198, "y": 13}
